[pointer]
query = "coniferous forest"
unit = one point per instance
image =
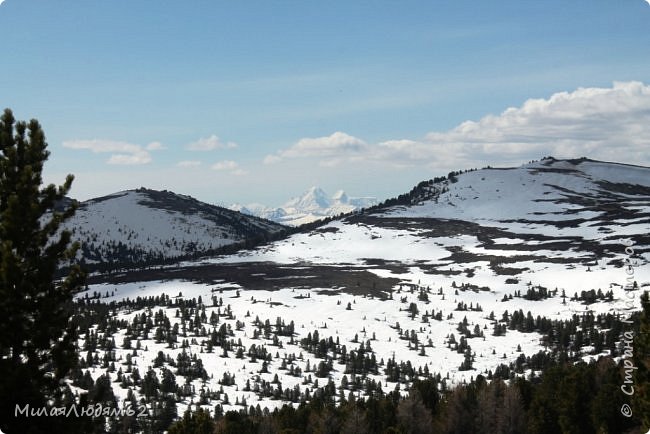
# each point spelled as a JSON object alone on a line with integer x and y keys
{"x": 564, "y": 395}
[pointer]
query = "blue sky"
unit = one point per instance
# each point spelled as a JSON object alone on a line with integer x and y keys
{"x": 257, "y": 101}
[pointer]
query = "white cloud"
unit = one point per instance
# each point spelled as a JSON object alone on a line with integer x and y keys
{"x": 225, "y": 165}
{"x": 188, "y": 163}
{"x": 155, "y": 146}
{"x": 603, "y": 123}
{"x": 229, "y": 166}
{"x": 607, "y": 123}
{"x": 209, "y": 144}
{"x": 272, "y": 159}
{"x": 330, "y": 147}
{"x": 122, "y": 152}
{"x": 130, "y": 159}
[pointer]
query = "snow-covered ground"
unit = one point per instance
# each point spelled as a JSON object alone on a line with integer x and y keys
{"x": 371, "y": 319}
{"x": 489, "y": 236}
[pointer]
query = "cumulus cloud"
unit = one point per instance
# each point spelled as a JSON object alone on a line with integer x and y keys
{"x": 123, "y": 153}
{"x": 330, "y": 147}
{"x": 225, "y": 165}
{"x": 209, "y": 144}
{"x": 155, "y": 146}
{"x": 604, "y": 123}
{"x": 608, "y": 123}
{"x": 229, "y": 166}
{"x": 272, "y": 159}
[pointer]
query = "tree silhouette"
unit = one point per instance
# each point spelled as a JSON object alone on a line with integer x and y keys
{"x": 37, "y": 340}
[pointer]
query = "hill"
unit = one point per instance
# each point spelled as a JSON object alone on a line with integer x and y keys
{"x": 144, "y": 226}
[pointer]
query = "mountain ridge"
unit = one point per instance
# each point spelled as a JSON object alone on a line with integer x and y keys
{"x": 145, "y": 226}
{"x": 315, "y": 204}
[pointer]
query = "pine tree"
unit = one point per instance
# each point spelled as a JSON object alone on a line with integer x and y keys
{"x": 413, "y": 416}
{"x": 198, "y": 422}
{"x": 37, "y": 339}
{"x": 355, "y": 421}
{"x": 511, "y": 418}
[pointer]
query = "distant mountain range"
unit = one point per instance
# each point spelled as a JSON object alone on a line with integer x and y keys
{"x": 314, "y": 204}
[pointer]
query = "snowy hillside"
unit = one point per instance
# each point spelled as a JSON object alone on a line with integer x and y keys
{"x": 313, "y": 205}
{"x": 485, "y": 272}
{"x": 547, "y": 212}
{"x": 148, "y": 225}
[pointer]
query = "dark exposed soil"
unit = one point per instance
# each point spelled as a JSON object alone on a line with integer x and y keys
{"x": 266, "y": 276}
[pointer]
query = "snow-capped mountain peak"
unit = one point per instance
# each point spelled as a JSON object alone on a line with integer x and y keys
{"x": 340, "y": 197}
{"x": 313, "y": 200}
{"x": 313, "y": 205}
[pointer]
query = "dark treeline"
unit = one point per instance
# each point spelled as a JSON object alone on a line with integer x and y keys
{"x": 121, "y": 258}
{"x": 567, "y": 398}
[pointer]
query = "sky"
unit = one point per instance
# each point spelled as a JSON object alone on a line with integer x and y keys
{"x": 256, "y": 101}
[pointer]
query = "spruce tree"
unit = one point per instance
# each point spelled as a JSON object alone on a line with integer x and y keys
{"x": 37, "y": 339}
